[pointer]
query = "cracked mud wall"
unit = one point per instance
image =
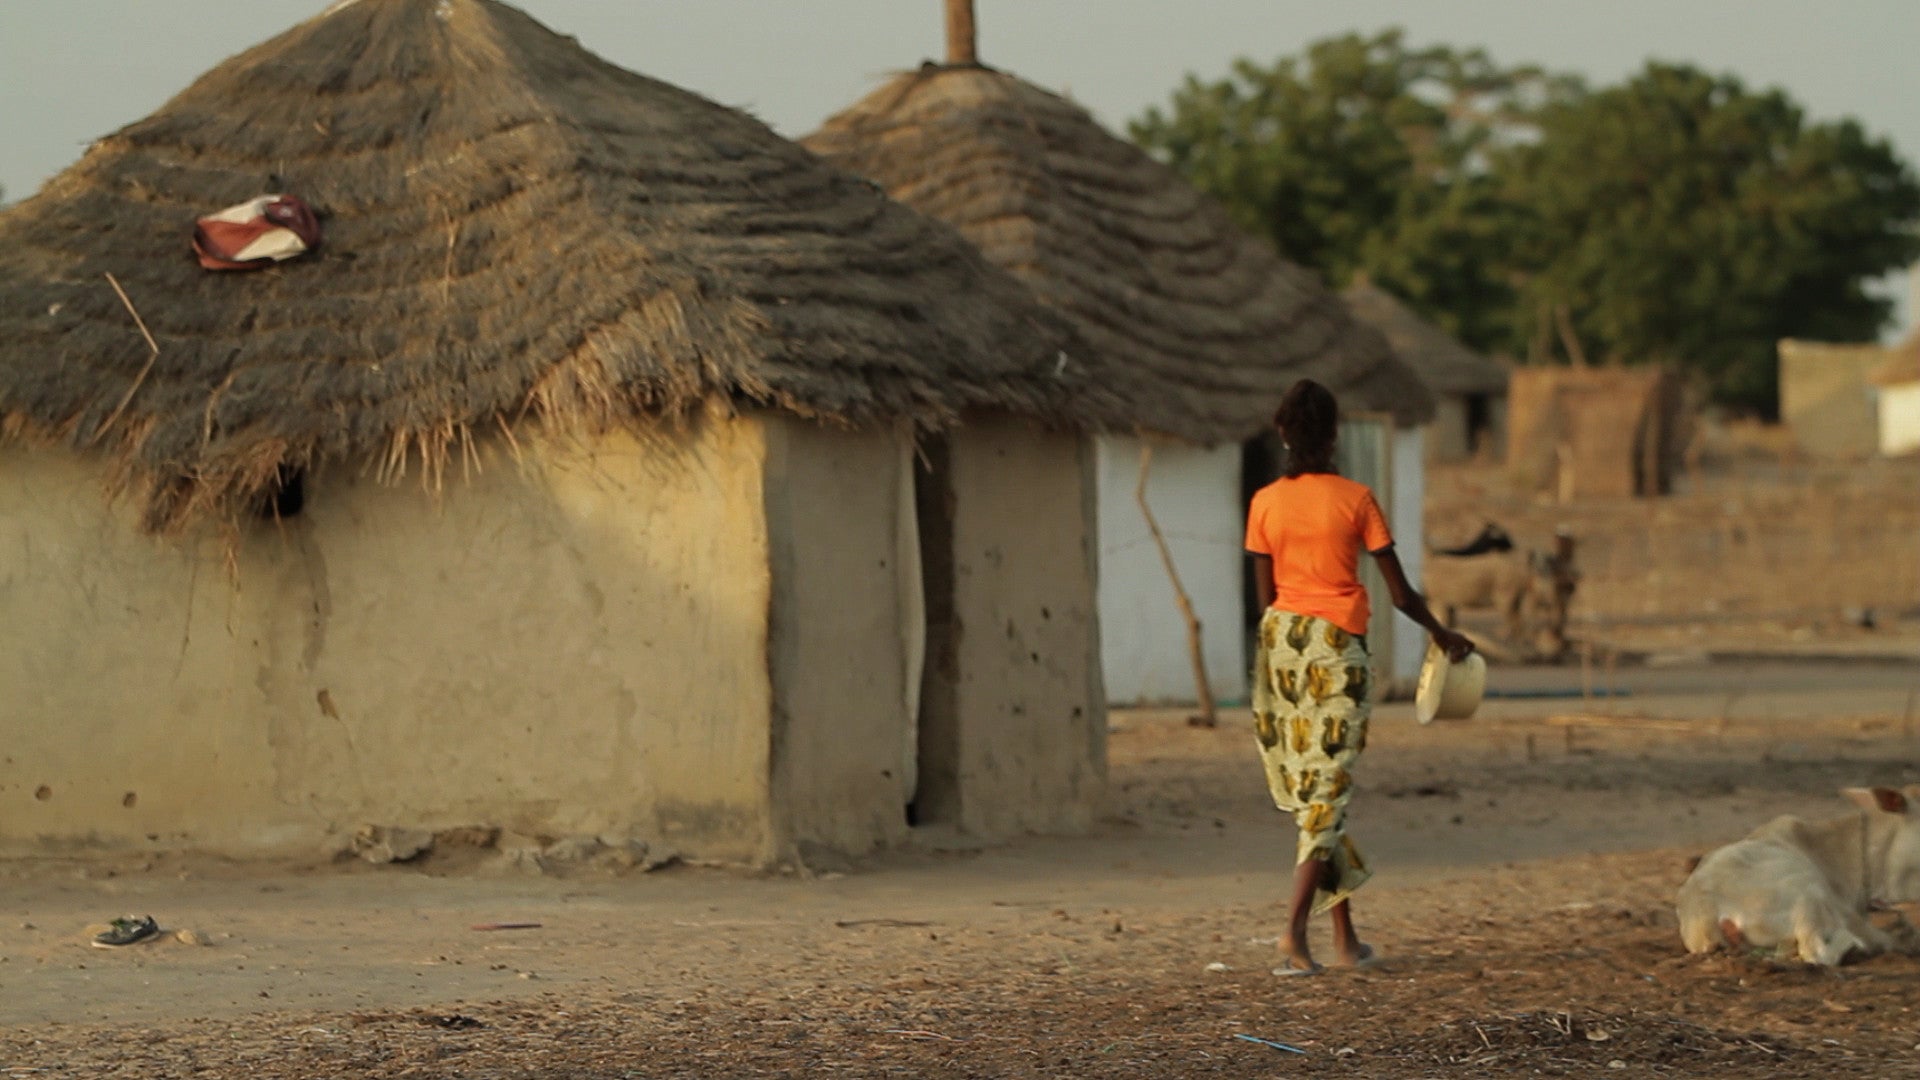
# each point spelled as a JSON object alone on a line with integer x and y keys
{"x": 571, "y": 643}
{"x": 1026, "y": 690}
{"x": 846, "y": 620}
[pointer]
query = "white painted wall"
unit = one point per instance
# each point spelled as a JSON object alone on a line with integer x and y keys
{"x": 1406, "y": 516}
{"x": 1900, "y": 418}
{"x": 1366, "y": 453}
{"x": 1195, "y": 496}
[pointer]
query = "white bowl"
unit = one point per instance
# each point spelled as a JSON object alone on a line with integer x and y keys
{"x": 1449, "y": 691}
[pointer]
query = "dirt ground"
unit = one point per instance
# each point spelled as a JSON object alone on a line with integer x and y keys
{"x": 1527, "y": 863}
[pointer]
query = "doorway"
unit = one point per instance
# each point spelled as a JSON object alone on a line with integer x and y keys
{"x": 1479, "y": 424}
{"x": 936, "y": 792}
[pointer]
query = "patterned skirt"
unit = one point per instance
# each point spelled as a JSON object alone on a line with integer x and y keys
{"x": 1312, "y": 688}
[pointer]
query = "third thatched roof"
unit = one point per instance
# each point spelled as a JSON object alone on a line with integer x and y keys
{"x": 514, "y": 228}
{"x": 1441, "y": 361}
{"x": 1206, "y": 324}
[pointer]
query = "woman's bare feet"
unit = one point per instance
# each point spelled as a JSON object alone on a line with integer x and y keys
{"x": 1348, "y": 949}
{"x": 1295, "y": 959}
{"x": 1360, "y": 954}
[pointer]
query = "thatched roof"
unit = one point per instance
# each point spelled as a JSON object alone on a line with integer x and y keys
{"x": 1443, "y": 363}
{"x": 514, "y": 229}
{"x": 1208, "y": 324}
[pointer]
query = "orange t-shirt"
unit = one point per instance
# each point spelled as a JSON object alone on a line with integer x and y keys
{"x": 1314, "y": 527}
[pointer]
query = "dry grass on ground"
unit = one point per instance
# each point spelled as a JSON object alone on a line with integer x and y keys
{"x": 1524, "y": 909}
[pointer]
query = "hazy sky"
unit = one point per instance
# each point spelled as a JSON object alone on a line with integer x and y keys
{"x": 73, "y": 70}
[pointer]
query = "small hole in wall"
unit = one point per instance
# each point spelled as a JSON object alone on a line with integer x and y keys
{"x": 285, "y": 496}
{"x": 129, "y": 799}
{"x": 43, "y": 793}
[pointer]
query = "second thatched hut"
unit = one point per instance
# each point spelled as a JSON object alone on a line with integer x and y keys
{"x": 1199, "y": 326}
{"x": 1469, "y": 389}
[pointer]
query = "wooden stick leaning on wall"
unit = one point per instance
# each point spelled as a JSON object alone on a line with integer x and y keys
{"x": 1203, "y": 689}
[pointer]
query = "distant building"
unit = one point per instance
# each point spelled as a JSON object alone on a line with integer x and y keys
{"x": 1595, "y": 432}
{"x": 1897, "y": 386}
{"x": 1850, "y": 401}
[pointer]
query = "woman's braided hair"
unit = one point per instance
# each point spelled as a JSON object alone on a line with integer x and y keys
{"x": 1309, "y": 421}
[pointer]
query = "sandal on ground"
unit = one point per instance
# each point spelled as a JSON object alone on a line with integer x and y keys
{"x": 126, "y": 931}
{"x": 1290, "y": 968}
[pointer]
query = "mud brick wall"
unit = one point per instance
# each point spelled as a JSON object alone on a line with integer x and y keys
{"x": 1803, "y": 541}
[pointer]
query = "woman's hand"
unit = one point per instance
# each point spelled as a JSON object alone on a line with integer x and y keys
{"x": 1455, "y": 644}
{"x": 1452, "y": 642}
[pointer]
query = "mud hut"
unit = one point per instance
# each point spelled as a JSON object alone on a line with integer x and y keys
{"x": 1204, "y": 325}
{"x": 660, "y": 374}
{"x": 1469, "y": 390}
{"x": 1595, "y": 432}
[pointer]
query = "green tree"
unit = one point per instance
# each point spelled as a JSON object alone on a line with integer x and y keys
{"x": 1681, "y": 217}
{"x": 1677, "y": 217}
{"x": 1366, "y": 156}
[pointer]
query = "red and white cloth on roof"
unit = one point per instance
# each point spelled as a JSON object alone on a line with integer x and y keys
{"x": 256, "y": 233}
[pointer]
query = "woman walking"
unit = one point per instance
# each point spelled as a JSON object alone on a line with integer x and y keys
{"x": 1312, "y": 684}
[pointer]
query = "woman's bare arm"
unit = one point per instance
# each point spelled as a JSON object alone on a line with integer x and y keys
{"x": 1414, "y": 606}
{"x": 1263, "y": 580}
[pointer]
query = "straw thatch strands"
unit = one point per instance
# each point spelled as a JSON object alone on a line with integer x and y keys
{"x": 515, "y": 230}
{"x": 1205, "y": 324}
{"x": 1441, "y": 361}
